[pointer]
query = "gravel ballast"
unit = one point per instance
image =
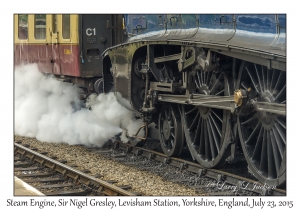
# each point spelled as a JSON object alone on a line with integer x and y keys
{"x": 143, "y": 181}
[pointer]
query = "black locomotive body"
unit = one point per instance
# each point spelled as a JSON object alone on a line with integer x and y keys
{"x": 216, "y": 82}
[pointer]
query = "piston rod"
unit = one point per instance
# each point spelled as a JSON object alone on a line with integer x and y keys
{"x": 221, "y": 102}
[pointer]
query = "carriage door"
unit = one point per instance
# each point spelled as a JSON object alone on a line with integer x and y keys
{"x": 40, "y": 52}
{"x": 96, "y": 37}
{"x": 54, "y": 45}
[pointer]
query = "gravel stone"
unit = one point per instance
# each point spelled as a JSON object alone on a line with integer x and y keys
{"x": 143, "y": 181}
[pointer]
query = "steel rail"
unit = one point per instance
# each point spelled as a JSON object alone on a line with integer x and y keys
{"x": 71, "y": 172}
{"x": 218, "y": 175}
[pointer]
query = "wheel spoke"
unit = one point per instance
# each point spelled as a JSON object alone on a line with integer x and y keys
{"x": 166, "y": 114}
{"x": 250, "y": 120}
{"x": 252, "y": 79}
{"x": 192, "y": 126}
{"x": 271, "y": 168}
{"x": 167, "y": 145}
{"x": 275, "y": 153}
{"x": 283, "y": 102}
{"x": 202, "y": 137}
{"x": 197, "y": 80}
{"x": 258, "y": 78}
{"x": 258, "y": 146}
{"x": 211, "y": 143}
{"x": 189, "y": 112}
{"x": 281, "y": 93}
{"x": 279, "y": 142}
{"x": 206, "y": 142}
{"x": 253, "y": 135}
{"x": 207, "y": 78}
{"x": 169, "y": 115}
{"x": 281, "y": 123}
{"x": 212, "y": 111}
{"x": 267, "y": 80}
{"x": 173, "y": 135}
{"x": 172, "y": 144}
{"x": 216, "y": 85}
{"x": 197, "y": 131}
{"x": 264, "y": 79}
{"x": 244, "y": 86}
{"x": 210, "y": 80}
{"x": 204, "y": 77}
{"x": 263, "y": 157}
{"x": 279, "y": 80}
{"x": 197, "y": 83}
{"x": 280, "y": 132}
{"x": 214, "y": 135}
{"x": 282, "y": 168}
{"x": 219, "y": 93}
{"x": 216, "y": 125}
{"x": 272, "y": 81}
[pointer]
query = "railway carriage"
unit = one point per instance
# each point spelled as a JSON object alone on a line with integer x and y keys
{"x": 68, "y": 46}
{"x": 215, "y": 82}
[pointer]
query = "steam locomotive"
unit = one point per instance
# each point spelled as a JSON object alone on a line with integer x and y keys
{"x": 213, "y": 82}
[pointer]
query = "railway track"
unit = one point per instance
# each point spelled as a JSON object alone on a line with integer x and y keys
{"x": 214, "y": 182}
{"x": 55, "y": 178}
{"x": 220, "y": 182}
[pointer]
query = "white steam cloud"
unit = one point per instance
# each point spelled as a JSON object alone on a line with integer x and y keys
{"x": 51, "y": 111}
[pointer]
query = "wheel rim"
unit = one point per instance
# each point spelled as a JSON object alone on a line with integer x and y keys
{"x": 170, "y": 130}
{"x": 263, "y": 134}
{"x": 206, "y": 129}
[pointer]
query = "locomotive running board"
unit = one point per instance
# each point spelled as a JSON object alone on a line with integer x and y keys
{"x": 220, "y": 102}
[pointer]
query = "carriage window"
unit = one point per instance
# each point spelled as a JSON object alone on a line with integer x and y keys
{"x": 40, "y": 26}
{"x": 23, "y": 26}
{"x": 66, "y": 26}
